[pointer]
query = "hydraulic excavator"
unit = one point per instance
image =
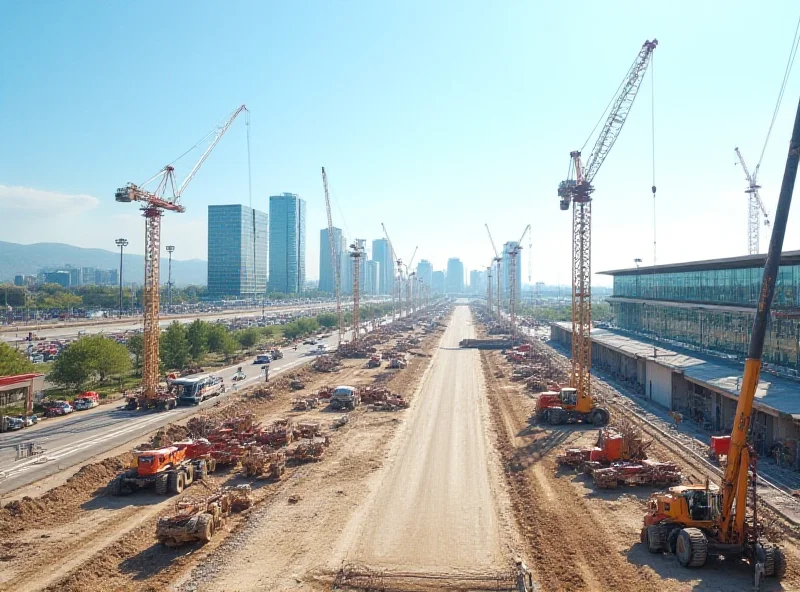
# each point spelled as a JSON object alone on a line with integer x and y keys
{"x": 698, "y": 521}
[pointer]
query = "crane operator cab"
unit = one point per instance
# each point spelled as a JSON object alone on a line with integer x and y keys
{"x": 569, "y": 396}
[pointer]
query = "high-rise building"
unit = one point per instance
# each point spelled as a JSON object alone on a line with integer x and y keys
{"x": 62, "y": 278}
{"x": 237, "y": 251}
{"x": 287, "y": 243}
{"x": 382, "y": 253}
{"x": 327, "y": 280}
{"x": 455, "y": 276}
{"x": 372, "y": 276}
{"x": 477, "y": 281}
{"x": 425, "y": 272}
{"x": 438, "y": 282}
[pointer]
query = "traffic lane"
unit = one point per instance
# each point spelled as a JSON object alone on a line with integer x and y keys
{"x": 11, "y": 334}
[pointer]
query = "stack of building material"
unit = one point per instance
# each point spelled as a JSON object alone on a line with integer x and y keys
{"x": 326, "y": 364}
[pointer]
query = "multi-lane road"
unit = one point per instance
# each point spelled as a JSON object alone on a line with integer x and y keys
{"x": 81, "y": 435}
{"x": 10, "y": 334}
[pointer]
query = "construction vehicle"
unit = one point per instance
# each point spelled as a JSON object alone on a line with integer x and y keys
{"x": 199, "y": 519}
{"x": 397, "y": 363}
{"x": 263, "y": 462}
{"x": 374, "y": 362}
{"x": 578, "y": 191}
{"x": 567, "y": 406}
{"x": 276, "y": 354}
{"x": 345, "y": 397}
{"x": 168, "y": 470}
{"x": 619, "y": 458}
{"x": 154, "y": 204}
{"x": 695, "y": 521}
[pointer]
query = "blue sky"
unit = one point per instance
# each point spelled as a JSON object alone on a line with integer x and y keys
{"x": 433, "y": 117}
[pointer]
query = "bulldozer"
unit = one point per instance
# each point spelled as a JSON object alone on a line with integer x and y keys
{"x": 562, "y": 407}
{"x": 168, "y": 470}
{"x": 701, "y": 520}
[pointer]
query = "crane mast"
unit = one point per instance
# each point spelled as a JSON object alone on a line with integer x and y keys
{"x": 356, "y": 252}
{"x": 513, "y": 253}
{"x": 335, "y": 259}
{"x": 395, "y": 279}
{"x": 497, "y": 259}
{"x": 409, "y": 282}
{"x": 154, "y": 205}
{"x": 578, "y": 191}
{"x": 755, "y": 210}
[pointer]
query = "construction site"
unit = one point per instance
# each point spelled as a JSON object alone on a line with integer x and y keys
{"x": 447, "y": 443}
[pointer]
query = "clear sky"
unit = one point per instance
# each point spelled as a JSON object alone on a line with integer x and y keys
{"x": 433, "y": 117}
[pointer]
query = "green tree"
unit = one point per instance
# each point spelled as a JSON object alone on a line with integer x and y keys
{"x": 292, "y": 330}
{"x": 90, "y": 358}
{"x": 12, "y": 295}
{"x": 307, "y": 325}
{"x": 136, "y": 348}
{"x": 197, "y": 334}
{"x": 63, "y": 301}
{"x": 229, "y": 346}
{"x": 174, "y": 346}
{"x": 327, "y": 320}
{"x": 13, "y": 362}
{"x": 247, "y": 338}
{"x": 215, "y": 337}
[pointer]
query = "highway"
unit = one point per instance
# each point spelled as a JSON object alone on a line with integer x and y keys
{"x": 10, "y": 335}
{"x": 83, "y": 434}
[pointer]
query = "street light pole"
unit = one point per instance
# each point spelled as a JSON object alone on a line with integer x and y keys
{"x": 121, "y": 243}
{"x": 170, "y": 250}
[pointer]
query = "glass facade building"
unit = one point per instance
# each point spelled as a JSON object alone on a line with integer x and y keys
{"x": 327, "y": 279}
{"x": 383, "y": 255}
{"x": 710, "y": 305}
{"x": 455, "y": 276}
{"x": 287, "y": 243}
{"x": 237, "y": 251}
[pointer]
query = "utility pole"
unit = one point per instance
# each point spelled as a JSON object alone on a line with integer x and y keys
{"x": 121, "y": 243}
{"x": 170, "y": 250}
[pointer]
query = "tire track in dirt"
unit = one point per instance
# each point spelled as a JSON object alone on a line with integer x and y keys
{"x": 569, "y": 548}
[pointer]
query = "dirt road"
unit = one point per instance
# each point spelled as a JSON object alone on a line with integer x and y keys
{"x": 435, "y": 508}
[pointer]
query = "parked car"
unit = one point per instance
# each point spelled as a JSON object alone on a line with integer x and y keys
{"x": 56, "y": 408}
{"x": 84, "y": 403}
{"x": 14, "y": 423}
{"x": 310, "y": 342}
{"x": 28, "y": 420}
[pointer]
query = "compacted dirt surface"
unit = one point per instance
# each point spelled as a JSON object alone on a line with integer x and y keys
{"x": 436, "y": 507}
{"x": 581, "y": 538}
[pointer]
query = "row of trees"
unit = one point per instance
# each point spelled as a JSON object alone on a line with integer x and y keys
{"x": 96, "y": 359}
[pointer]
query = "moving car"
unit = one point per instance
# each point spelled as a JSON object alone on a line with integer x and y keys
{"x": 240, "y": 375}
{"x": 262, "y": 359}
{"x": 310, "y": 342}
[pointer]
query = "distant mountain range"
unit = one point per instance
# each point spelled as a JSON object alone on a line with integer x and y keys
{"x": 28, "y": 259}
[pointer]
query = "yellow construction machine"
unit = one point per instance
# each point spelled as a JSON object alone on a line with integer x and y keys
{"x": 698, "y": 521}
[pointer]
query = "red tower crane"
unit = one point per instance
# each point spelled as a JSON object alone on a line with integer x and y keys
{"x": 154, "y": 204}
{"x": 578, "y": 190}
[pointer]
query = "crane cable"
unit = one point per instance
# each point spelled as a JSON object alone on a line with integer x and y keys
{"x": 789, "y": 64}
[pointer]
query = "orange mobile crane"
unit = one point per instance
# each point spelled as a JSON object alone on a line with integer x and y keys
{"x": 154, "y": 204}
{"x": 695, "y": 521}
{"x": 578, "y": 191}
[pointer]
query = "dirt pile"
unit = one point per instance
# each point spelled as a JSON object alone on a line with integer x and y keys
{"x": 58, "y": 505}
